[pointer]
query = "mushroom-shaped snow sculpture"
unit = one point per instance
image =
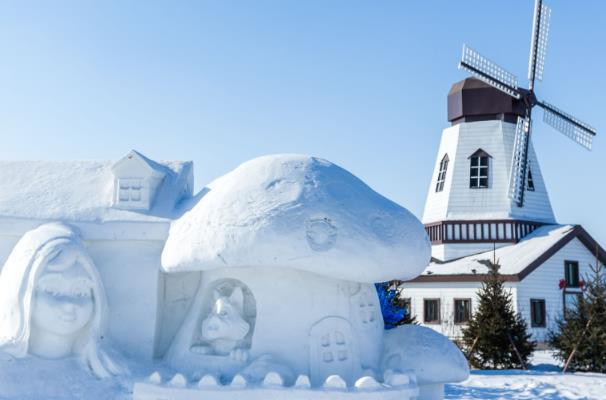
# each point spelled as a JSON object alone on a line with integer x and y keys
{"x": 299, "y": 212}
{"x": 288, "y": 248}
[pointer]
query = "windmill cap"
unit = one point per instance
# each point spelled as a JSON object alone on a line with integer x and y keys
{"x": 473, "y": 100}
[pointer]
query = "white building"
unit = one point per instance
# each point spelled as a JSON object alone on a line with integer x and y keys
{"x": 468, "y": 213}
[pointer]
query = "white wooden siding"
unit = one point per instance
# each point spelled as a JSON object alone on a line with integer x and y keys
{"x": 543, "y": 284}
{"x": 447, "y": 293}
{"x": 458, "y": 201}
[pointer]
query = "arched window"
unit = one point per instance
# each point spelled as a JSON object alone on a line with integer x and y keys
{"x": 530, "y": 181}
{"x": 442, "y": 173}
{"x": 478, "y": 169}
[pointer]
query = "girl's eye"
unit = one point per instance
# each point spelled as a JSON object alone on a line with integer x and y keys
{"x": 52, "y": 292}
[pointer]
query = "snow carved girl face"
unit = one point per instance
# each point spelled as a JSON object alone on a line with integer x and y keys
{"x": 63, "y": 302}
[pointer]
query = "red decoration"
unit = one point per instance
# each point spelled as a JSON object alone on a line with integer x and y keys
{"x": 562, "y": 284}
{"x": 582, "y": 284}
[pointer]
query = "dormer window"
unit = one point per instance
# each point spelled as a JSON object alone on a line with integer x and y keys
{"x": 478, "y": 170}
{"x": 442, "y": 173}
{"x": 130, "y": 190}
{"x": 136, "y": 179}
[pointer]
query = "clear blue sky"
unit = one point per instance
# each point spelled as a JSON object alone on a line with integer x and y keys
{"x": 361, "y": 83}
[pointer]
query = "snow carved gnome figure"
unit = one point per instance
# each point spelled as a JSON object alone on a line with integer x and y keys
{"x": 52, "y": 301}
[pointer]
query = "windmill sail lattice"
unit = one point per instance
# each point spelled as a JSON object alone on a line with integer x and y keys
{"x": 496, "y": 76}
{"x": 538, "y": 44}
{"x": 516, "y": 177}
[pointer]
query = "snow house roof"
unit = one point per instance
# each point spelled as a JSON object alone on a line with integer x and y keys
{"x": 298, "y": 212}
{"x": 517, "y": 260}
{"x": 82, "y": 191}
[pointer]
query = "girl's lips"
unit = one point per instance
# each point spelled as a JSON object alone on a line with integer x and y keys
{"x": 68, "y": 318}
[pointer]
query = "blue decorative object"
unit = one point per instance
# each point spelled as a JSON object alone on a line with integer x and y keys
{"x": 393, "y": 314}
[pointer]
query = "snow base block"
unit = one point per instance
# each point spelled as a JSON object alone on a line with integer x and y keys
{"x": 178, "y": 389}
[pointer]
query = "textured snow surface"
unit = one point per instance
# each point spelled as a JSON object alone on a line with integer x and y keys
{"x": 299, "y": 212}
{"x": 77, "y": 191}
{"x": 513, "y": 259}
{"x": 432, "y": 357}
{"x": 489, "y": 385}
{"x": 33, "y": 379}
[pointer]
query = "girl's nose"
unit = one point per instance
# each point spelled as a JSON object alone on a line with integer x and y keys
{"x": 68, "y": 307}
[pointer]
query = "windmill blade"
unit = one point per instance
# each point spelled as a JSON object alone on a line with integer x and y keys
{"x": 517, "y": 174}
{"x": 538, "y": 43}
{"x": 489, "y": 72}
{"x": 570, "y": 126}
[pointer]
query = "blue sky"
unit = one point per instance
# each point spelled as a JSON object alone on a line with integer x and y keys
{"x": 360, "y": 83}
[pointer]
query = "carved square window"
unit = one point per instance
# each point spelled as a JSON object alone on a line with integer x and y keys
{"x": 129, "y": 190}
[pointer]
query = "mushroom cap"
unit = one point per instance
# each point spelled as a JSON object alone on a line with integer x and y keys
{"x": 301, "y": 212}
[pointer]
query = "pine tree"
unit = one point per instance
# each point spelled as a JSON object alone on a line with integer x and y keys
{"x": 582, "y": 329}
{"x": 496, "y": 336}
{"x": 392, "y": 305}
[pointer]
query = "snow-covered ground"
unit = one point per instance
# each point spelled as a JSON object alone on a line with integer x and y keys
{"x": 543, "y": 381}
{"x": 29, "y": 379}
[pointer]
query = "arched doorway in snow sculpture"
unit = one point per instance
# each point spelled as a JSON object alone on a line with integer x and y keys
{"x": 333, "y": 350}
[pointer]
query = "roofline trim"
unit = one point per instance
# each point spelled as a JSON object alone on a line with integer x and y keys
{"x": 576, "y": 232}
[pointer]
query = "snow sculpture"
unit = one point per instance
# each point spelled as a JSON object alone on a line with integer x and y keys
{"x": 225, "y": 326}
{"x": 297, "y": 212}
{"x": 309, "y": 240}
{"x": 136, "y": 180}
{"x": 434, "y": 359}
{"x": 52, "y": 302}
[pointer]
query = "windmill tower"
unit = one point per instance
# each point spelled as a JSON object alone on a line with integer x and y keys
{"x": 487, "y": 187}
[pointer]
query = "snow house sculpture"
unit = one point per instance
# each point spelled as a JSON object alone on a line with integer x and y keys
{"x": 259, "y": 286}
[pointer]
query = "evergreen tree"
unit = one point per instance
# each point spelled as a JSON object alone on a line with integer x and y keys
{"x": 496, "y": 336}
{"x": 393, "y": 307}
{"x": 582, "y": 329}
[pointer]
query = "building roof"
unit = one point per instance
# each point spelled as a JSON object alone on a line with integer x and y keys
{"x": 81, "y": 191}
{"x": 298, "y": 212}
{"x": 517, "y": 261}
{"x": 473, "y": 100}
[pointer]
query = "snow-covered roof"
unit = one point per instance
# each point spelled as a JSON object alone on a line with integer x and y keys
{"x": 298, "y": 212}
{"x": 80, "y": 191}
{"x": 516, "y": 260}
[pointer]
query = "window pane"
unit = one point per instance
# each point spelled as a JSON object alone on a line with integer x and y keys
{"x": 462, "y": 310}
{"x": 431, "y": 311}
{"x": 474, "y": 161}
{"x": 572, "y": 273}
{"x": 123, "y": 195}
{"x": 484, "y": 161}
{"x": 473, "y": 182}
{"x": 537, "y": 317}
{"x": 135, "y": 194}
{"x": 483, "y": 182}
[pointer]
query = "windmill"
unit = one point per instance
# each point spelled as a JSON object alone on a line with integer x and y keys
{"x": 492, "y": 74}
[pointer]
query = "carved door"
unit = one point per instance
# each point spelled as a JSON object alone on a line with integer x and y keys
{"x": 333, "y": 351}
